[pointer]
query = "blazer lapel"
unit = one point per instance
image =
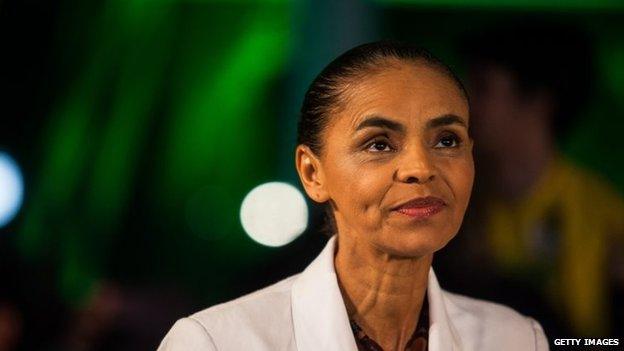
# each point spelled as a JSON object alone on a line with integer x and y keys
{"x": 319, "y": 315}
{"x": 442, "y": 334}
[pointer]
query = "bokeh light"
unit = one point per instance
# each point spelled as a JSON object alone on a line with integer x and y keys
{"x": 274, "y": 214}
{"x": 11, "y": 188}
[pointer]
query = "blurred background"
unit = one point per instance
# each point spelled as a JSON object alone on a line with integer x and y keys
{"x": 131, "y": 131}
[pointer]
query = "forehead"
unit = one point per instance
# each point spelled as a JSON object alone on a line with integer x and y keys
{"x": 410, "y": 93}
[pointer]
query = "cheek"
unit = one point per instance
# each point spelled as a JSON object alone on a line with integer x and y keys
{"x": 462, "y": 180}
{"x": 459, "y": 176}
{"x": 357, "y": 189}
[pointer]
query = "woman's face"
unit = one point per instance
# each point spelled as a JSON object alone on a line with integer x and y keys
{"x": 397, "y": 160}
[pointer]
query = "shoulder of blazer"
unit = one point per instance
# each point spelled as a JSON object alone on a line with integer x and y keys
{"x": 495, "y": 324}
{"x": 187, "y": 334}
{"x": 259, "y": 318}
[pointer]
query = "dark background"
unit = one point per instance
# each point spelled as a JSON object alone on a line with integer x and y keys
{"x": 139, "y": 126}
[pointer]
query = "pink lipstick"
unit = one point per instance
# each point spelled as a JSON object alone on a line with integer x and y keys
{"x": 421, "y": 208}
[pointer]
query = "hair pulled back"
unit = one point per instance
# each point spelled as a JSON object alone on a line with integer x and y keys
{"x": 329, "y": 88}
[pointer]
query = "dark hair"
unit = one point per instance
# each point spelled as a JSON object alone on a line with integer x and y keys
{"x": 540, "y": 55}
{"x": 328, "y": 89}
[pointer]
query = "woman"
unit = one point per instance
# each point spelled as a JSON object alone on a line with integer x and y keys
{"x": 383, "y": 140}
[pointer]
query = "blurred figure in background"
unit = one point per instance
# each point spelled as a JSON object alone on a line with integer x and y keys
{"x": 123, "y": 317}
{"x": 10, "y": 326}
{"x": 554, "y": 226}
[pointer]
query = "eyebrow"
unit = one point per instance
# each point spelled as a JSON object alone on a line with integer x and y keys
{"x": 383, "y": 122}
{"x": 445, "y": 120}
{"x": 380, "y": 122}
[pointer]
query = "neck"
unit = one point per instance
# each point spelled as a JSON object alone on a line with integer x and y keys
{"x": 383, "y": 293}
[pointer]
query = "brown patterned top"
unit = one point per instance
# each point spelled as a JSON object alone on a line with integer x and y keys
{"x": 418, "y": 341}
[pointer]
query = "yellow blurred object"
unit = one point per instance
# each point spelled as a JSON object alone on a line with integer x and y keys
{"x": 559, "y": 238}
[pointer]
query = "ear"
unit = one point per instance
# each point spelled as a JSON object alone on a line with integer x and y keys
{"x": 311, "y": 173}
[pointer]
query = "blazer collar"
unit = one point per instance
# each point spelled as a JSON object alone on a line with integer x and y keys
{"x": 320, "y": 317}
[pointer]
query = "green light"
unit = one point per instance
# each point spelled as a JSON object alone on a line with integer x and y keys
{"x": 513, "y": 4}
{"x": 214, "y": 89}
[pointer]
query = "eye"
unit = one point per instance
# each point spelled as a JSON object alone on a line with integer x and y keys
{"x": 448, "y": 141}
{"x": 379, "y": 146}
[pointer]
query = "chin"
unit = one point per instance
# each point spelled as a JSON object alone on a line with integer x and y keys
{"x": 415, "y": 243}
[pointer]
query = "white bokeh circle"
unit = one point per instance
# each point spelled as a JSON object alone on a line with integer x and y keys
{"x": 274, "y": 214}
{"x": 11, "y": 188}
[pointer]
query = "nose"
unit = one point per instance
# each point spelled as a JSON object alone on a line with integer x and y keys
{"x": 415, "y": 166}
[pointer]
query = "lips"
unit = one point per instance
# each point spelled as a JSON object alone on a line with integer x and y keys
{"x": 422, "y": 207}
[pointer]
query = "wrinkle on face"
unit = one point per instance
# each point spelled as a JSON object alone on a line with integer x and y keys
{"x": 383, "y": 255}
{"x": 363, "y": 187}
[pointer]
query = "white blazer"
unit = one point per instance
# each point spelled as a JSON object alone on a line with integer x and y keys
{"x": 305, "y": 312}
